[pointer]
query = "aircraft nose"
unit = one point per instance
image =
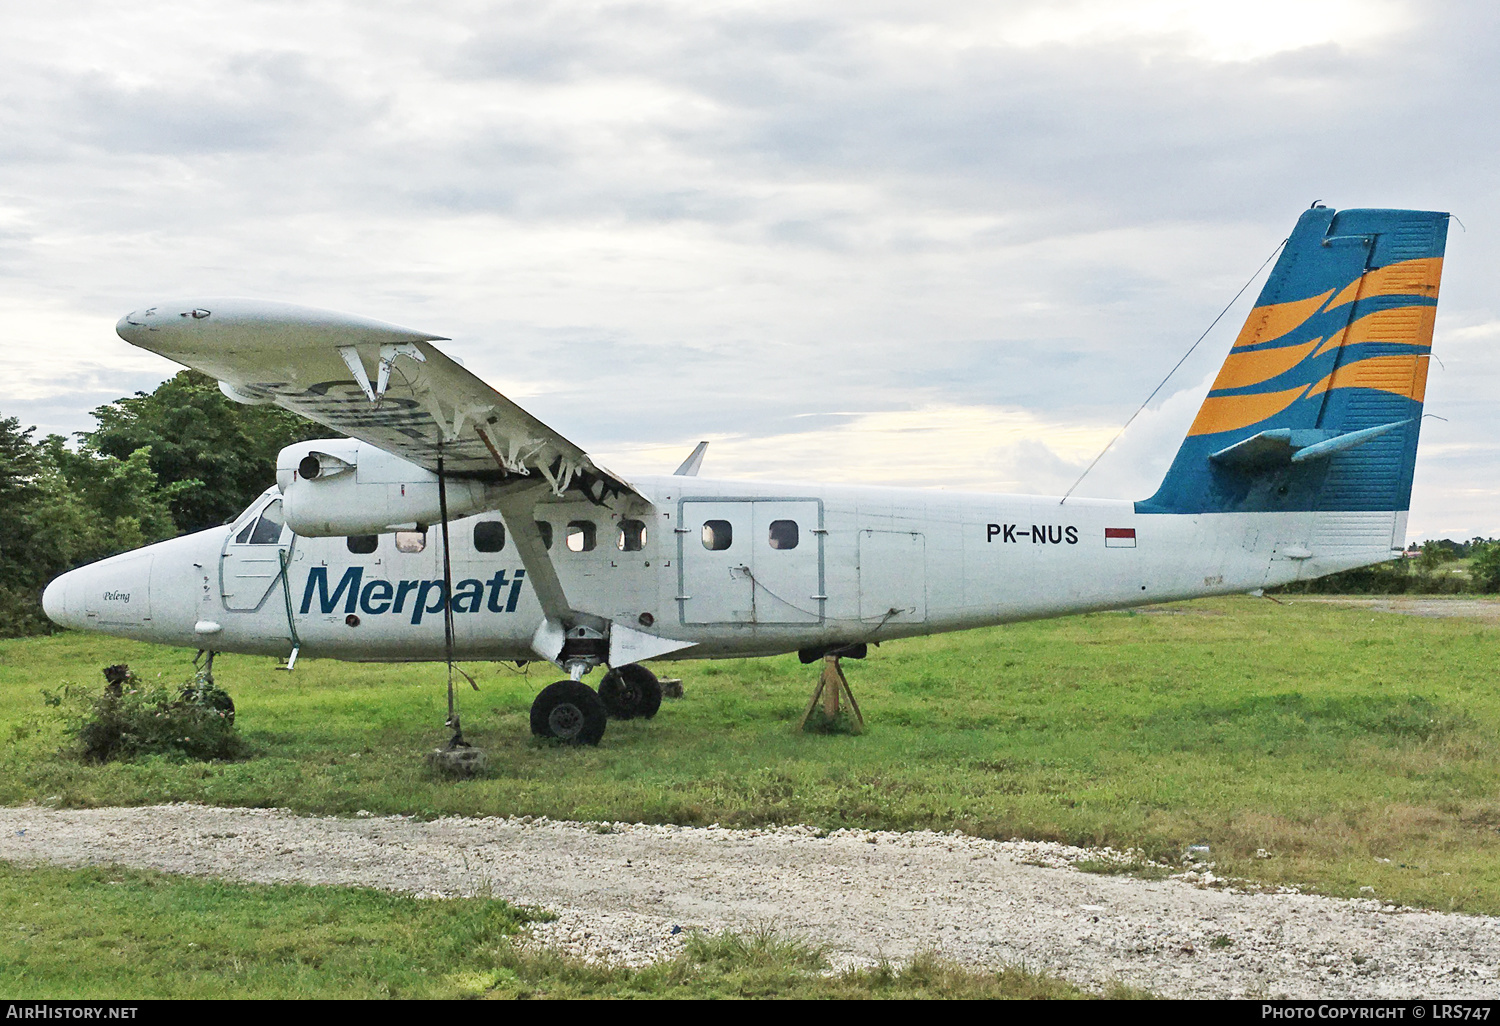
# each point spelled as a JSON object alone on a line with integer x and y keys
{"x": 55, "y": 600}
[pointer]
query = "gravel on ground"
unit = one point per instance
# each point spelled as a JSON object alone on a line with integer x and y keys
{"x": 630, "y": 892}
{"x": 1439, "y": 607}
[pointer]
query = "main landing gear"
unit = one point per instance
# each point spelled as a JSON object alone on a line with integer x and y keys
{"x": 629, "y": 692}
{"x": 572, "y": 712}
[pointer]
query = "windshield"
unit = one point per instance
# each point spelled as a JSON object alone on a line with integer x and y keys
{"x": 265, "y": 529}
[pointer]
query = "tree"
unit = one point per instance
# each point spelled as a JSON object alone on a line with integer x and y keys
{"x": 182, "y": 458}
{"x": 19, "y": 491}
{"x": 60, "y": 509}
{"x": 221, "y": 452}
{"x": 1435, "y": 554}
{"x": 1485, "y": 566}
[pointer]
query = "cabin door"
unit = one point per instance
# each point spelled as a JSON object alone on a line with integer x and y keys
{"x": 251, "y": 564}
{"x": 750, "y": 561}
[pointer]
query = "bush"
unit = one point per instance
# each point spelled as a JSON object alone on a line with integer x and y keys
{"x": 132, "y": 718}
{"x": 1485, "y": 567}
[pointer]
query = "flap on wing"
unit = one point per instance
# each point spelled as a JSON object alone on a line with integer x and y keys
{"x": 380, "y": 383}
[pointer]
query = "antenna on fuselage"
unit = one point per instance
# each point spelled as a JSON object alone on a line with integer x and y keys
{"x": 690, "y": 465}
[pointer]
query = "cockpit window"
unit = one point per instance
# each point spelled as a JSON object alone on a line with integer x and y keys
{"x": 265, "y": 529}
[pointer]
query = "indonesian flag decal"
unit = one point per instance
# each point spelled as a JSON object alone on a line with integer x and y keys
{"x": 1119, "y": 537}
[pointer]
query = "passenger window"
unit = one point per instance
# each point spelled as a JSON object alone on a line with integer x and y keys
{"x": 717, "y": 535}
{"x": 546, "y": 532}
{"x": 411, "y": 541}
{"x": 632, "y": 536}
{"x": 489, "y": 536}
{"x": 783, "y": 534}
{"x": 268, "y": 527}
{"x": 581, "y": 535}
{"x": 362, "y": 544}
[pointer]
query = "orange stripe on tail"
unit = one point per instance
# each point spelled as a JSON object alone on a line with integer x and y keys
{"x": 1407, "y": 278}
{"x": 1258, "y": 365}
{"x": 1270, "y": 322}
{"x": 1400, "y": 375}
{"x": 1231, "y": 412}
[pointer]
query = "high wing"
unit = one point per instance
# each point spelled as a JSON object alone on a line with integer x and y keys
{"x": 379, "y": 383}
{"x": 391, "y": 387}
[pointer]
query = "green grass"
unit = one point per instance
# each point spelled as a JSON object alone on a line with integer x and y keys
{"x": 127, "y": 934}
{"x": 94, "y": 933}
{"x": 1331, "y": 738}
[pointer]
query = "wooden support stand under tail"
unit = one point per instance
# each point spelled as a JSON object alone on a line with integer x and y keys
{"x": 831, "y": 685}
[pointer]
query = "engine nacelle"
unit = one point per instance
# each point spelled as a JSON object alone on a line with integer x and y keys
{"x": 341, "y": 486}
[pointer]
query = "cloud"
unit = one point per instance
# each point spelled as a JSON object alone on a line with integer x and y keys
{"x": 989, "y": 229}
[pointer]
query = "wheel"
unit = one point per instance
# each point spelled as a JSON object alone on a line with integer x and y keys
{"x": 630, "y": 691}
{"x": 569, "y": 711}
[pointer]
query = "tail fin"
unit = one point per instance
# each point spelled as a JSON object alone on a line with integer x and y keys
{"x": 1319, "y": 404}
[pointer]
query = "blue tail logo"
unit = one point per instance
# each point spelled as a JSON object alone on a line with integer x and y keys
{"x": 1319, "y": 404}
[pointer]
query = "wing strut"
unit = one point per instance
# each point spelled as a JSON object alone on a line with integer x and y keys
{"x": 457, "y": 741}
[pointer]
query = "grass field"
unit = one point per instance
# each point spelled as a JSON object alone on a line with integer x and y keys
{"x": 130, "y": 935}
{"x": 1354, "y": 748}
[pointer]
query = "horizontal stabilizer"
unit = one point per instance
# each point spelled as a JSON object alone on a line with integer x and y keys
{"x": 1281, "y": 446}
{"x": 1341, "y": 443}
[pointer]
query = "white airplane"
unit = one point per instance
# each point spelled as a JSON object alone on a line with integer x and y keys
{"x": 1299, "y": 464}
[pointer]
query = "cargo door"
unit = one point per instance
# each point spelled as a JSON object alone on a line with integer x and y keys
{"x": 892, "y": 577}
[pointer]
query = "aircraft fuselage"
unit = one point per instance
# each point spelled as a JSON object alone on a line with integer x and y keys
{"x": 736, "y": 568}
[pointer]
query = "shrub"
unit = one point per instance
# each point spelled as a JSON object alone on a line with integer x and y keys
{"x": 132, "y": 718}
{"x": 1485, "y": 567}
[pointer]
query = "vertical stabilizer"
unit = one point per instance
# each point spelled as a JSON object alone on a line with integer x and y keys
{"x": 1319, "y": 403}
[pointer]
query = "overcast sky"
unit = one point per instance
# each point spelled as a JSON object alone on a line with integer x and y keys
{"x": 935, "y": 244}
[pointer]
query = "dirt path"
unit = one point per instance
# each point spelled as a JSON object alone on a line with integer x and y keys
{"x": 1439, "y": 606}
{"x": 620, "y": 889}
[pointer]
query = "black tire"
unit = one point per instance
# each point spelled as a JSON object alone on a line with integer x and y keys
{"x": 569, "y": 711}
{"x": 630, "y": 691}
